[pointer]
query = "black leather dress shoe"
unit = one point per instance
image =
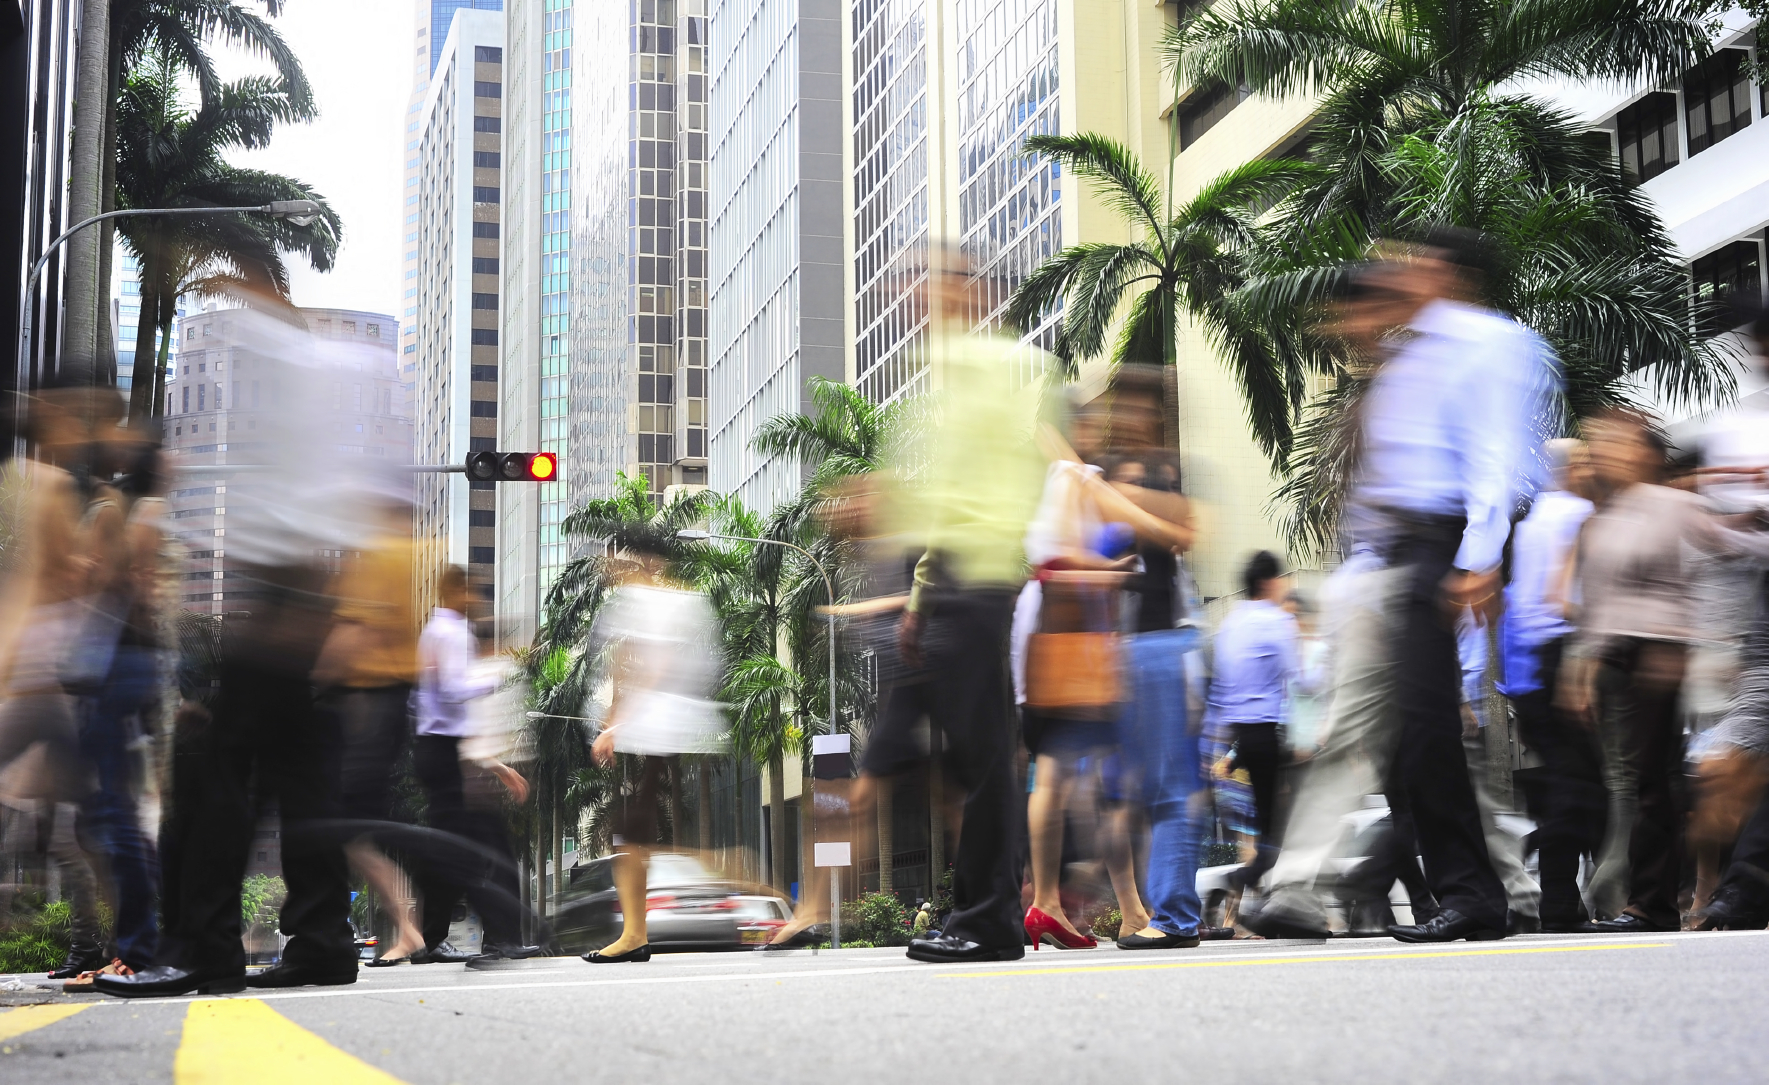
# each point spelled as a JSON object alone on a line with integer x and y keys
{"x": 1165, "y": 941}
{"x": 163, "y": 980}
{"x": 1448, "y": 925}
{"x": 946, "y": 949}
{"x": 304, "y": 975}
{"x": 1519, "y": 923}
{"x": 1626, "y": 923}
{"x": 441, "y": 953}
{"x": 1732, "y": 910}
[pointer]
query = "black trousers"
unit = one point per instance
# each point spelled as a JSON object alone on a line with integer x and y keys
{"x": 1748, "y": 873}
{"x": 1568, "y": 799}
{"x": 1258, "y": 750}
{"x": 264, "y": 744}
{"x": 1429, "y": 764}
{"x": 1638, "y": 686}
{"x": 376, "y": 726}
{"x": 467, "y": 853}
{"x": 969, "y": 699}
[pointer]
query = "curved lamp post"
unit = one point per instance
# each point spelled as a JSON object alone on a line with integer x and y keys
{"x": 299, "y": 212}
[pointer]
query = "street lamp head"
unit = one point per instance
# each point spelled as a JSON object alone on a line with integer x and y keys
{"x": 693, "y": 534}
{"x": 535, "y": 715}
{"x": 298, "y": 212}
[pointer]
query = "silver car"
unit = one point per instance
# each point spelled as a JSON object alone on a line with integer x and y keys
{"x": 686, "y": 907}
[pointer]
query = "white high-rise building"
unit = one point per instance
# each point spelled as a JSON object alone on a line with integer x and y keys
{"x": 780, "y": 252}
{"x": 455, "y": 342}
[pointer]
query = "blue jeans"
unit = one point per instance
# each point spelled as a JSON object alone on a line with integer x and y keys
{"x": 108, "y": 813}
{"x": 1159, "y": 743}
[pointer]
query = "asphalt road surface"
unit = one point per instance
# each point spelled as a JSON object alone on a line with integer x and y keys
{"x": 1665, "y": 1008}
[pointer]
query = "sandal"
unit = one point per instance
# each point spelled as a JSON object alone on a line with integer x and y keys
{"x": 84, "y": 981}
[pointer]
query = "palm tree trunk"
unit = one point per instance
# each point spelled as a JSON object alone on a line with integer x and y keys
{"x": 557, "y": 817}
{"x": 164, "y": 354}
{"x": 936, "y": 815}
{"x": 92, "y": 90}
{"x": 146, "y": 355}
{"x": 884, "y": 798}
{"x": 675, "y": 800}
{"x": 703, "y": 817}
{"x": 777, "y": 822}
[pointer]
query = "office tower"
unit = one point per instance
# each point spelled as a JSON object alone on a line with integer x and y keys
{"x": 535, "y": 382}
{"x": 638, "y": 312}
{"x": 779, "y": 252}
{"x": 456, "y": 400}
{"x": 215, "y": 401}
{"x": 431, "y": 18}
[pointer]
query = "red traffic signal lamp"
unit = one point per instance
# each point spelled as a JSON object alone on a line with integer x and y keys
{"x": 513, "y": 467}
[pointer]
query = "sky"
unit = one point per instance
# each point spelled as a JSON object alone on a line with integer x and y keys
{"x": 356, "y": 56}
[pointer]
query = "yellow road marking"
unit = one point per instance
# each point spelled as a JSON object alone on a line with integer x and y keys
{"x": 17, "y": 1022}
{"x": 233, "y": 1040}
{"x": 1315, "y": 959}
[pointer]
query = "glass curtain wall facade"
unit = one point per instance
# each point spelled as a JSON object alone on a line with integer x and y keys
{"x": 891, "y": 191}
{"x": 1008, "y": 201}
{"x": 639, "y": 385}
{"x": 778, "y": 238}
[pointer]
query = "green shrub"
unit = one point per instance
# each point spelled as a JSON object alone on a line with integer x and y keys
{"x": 1106, "y": 923}
{"x": 261, "y": 898}
{"x": 877, "y": 919}
{"x": 36, "y": 940}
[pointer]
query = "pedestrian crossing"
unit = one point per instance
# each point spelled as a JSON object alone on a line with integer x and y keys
{"x": 226, "y": 1041}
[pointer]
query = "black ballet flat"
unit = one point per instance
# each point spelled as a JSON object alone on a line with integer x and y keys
{"x": 639, "y": 955}
{"x": 388, "y": 962}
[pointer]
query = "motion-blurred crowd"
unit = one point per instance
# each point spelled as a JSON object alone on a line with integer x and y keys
{"x": 1025, "y": 598}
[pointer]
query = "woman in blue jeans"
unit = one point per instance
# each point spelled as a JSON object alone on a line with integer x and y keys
{"x": 1158, "y": 738}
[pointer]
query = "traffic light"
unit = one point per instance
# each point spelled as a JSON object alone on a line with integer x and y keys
{"x": 513, "y": 467}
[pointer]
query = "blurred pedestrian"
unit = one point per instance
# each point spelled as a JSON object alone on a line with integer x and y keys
{"x": 264, "y": 743}
{"x": 366, "y": 672}
{"x": 1257, "y": 662}
{"x": 470, "y": 852}
{"x": 982, "y": 475}
{"x": 1624, "y": 669}
{"x": 1566, "y": 796}
{"x": 1442, "y": 452}
{"x": 661, "y": 641}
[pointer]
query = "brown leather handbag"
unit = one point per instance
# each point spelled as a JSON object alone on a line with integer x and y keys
{"x": 1072, "y": 670}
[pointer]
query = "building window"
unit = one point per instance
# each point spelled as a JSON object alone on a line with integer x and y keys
{"x": 202, "y": 396}
{"x": 1717, "y": 98}
{"x": 484, "y": 89}
{"x": 485, "y": 373}
{"x": 488, "y": 54}
{"x": 485, "y": 301}
{"x": 374, "y": 331}
{"x": 485, "y": 337}
{"x": 485, "y": 265}
{"x": 1204, "y": 108}
{"x": 485, "y": 229}
{"x": 488, "y": 124}
{"x": 481, "y": 518}
{"x": 1722, "y": 273}
{"x": 484, "y": 409}
{"x": 484, "y": 194}
{"x": 1646, "y": 136}
{"x": 486, "y": 160}
{"x": 482, "y": 555}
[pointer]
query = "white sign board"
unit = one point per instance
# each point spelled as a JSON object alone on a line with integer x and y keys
{"x": 837, "y": 854}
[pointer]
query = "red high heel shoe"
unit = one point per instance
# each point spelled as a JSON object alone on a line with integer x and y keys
{"x": 1042, "y": 928}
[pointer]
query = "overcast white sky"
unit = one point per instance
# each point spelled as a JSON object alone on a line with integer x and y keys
{"x": 357, "y": 57}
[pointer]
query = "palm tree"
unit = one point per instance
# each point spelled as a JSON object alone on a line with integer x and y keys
{"x": 1183, "y": 263}
{"x": 169, "y": 156}
{"x": 144, "y": 32}
{"x": 1414, "y": 129}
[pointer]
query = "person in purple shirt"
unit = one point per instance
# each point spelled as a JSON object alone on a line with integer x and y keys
{"x": 1257, "y": 659}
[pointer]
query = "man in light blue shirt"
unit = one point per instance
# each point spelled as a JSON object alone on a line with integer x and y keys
{"x": 1256, "y": 661}
{"x": 1446, "y": 452}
